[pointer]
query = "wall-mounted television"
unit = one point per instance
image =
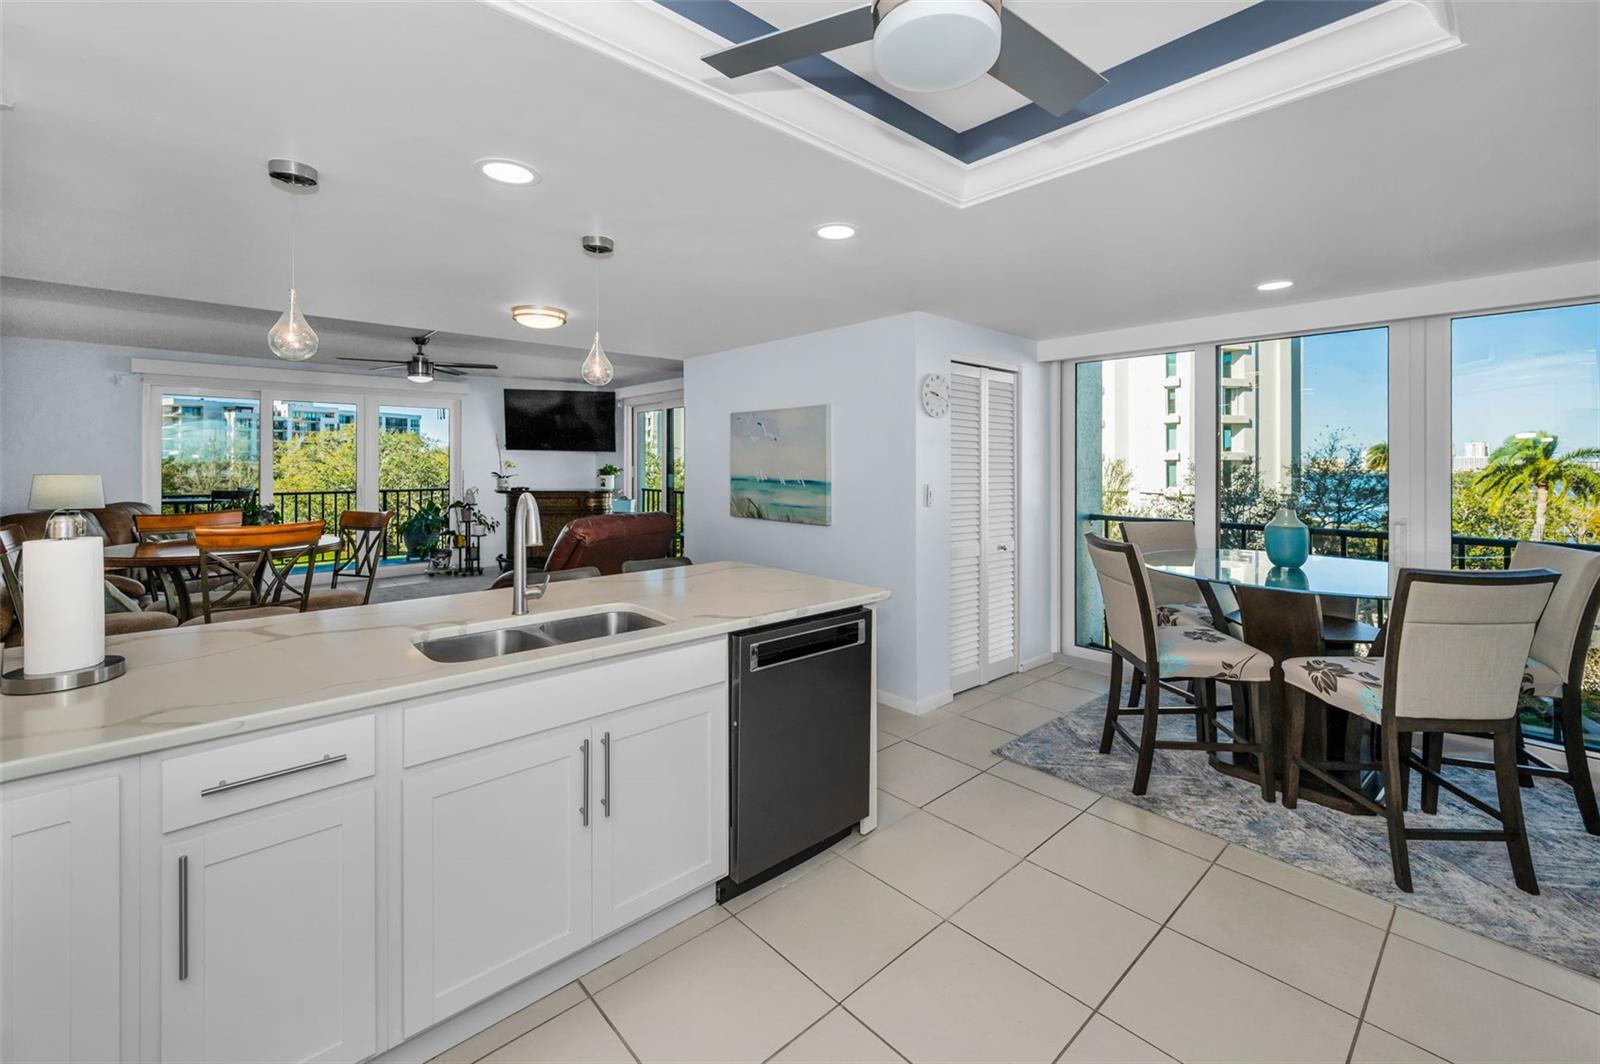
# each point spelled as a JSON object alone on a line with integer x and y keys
{"x": 539, "y": 420}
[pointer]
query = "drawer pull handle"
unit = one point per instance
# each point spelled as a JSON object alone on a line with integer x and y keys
{"x": 183, "y": 918}
{"x": 228, "y": 785}
{"x": 583, "y": 810}
{"x": 605, "y": 794}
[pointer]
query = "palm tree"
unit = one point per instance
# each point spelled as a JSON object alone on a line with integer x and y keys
{"x": 1528, "y": 462}
{"x": 1376, "y": 458}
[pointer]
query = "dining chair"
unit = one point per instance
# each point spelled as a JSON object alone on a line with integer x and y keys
{"x": 167, "y": 528}
{"x": 247, "y": 572}
{"x": 1555, "y": 671}
{"x": 1178, "y": 600}
{"x": 1455, "y": 650}
{"x": 361, "y": 535}
{"x": 645, "y": 565}
{"x": 12, "y": 619}
{"x": 1172, "y": 652}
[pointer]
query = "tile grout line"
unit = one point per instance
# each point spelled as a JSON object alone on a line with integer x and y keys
{"x": 530, "y": 1030}
{"x": 1495, "y": 971}
{"x": 1361, "y": 1017}
{"x": 609, "y": 1022}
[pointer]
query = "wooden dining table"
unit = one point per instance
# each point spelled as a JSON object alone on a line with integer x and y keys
{"x": 169, "y": 558}
{"x": 1281, "y": 614}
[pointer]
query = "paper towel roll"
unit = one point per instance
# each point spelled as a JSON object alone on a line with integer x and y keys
{"x": 64, "y": 604}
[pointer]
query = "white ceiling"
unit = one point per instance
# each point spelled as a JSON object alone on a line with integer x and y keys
{"x": 134, "y": 161}
{"x": 1102, "y": 33}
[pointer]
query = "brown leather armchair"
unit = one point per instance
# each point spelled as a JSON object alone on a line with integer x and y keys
{"x": 112, "y": 522}
{"x": 605, "y": 541}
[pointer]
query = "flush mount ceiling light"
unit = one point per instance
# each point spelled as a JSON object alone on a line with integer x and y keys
{"x": 836, "y": 231}
{"x": 508, "y": 172}
{"x": 936, "y": 45}
{"x": 1274, "y": 286}
{"x": 538, "y": 316}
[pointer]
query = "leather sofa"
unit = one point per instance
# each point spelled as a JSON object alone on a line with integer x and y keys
{"x": 112, "y": 522}
{"x": 605, "y": 541}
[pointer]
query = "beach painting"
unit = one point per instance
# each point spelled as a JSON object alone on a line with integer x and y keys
{"x": 778, "y": 465}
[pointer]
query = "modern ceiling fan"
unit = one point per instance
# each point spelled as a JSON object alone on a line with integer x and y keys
{"x": 419, "y": 367}
{"x": 930, "y": 46}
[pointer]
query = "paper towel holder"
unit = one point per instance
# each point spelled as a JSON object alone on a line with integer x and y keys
{"x": 62, "y": 525}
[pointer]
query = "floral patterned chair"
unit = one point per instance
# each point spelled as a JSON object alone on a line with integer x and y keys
{"x": 1171, "y": 652}
{"x": 1456, "y": 646}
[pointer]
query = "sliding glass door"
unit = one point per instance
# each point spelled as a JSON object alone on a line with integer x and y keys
{"x": 313, "y": 460}
{"x": 656, "y": 442}
{"x": 210, "y": 447}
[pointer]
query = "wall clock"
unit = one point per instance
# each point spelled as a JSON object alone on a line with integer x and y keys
{"x": 935, "y": 395}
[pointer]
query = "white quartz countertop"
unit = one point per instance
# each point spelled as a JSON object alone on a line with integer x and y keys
{"x": 187, "y": 685}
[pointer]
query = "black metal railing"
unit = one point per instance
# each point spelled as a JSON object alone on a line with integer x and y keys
{"x": 326, "y": 506}
{"x": 403, "y": 502}
{"x": 653, "y": 500}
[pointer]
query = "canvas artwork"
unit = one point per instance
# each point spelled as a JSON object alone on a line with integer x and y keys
{"x": 778, "y": 464}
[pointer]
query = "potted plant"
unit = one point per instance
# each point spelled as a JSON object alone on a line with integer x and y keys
{"x": 608, "y": 477}
{"x": 503, "y": 475}
{"x": 421, "y": 529}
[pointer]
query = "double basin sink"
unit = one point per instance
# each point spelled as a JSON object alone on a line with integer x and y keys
{"x": 498, "y": 642}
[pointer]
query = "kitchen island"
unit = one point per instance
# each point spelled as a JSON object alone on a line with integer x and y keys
{"x": 302, "y": 837}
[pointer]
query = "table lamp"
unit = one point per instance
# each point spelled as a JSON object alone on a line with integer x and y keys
{"x": 69, "y": 493}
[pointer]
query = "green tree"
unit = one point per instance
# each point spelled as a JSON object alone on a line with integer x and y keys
{"x": 315, "y": 461}
{"x": 1376, "y": 458}
{"x": 1527, "y": 464}
{"x": 1116, "y": 483}
{"x": 410, "y": 460}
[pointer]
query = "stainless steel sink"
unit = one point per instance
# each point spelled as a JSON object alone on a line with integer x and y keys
{"x": 498, "y": 642}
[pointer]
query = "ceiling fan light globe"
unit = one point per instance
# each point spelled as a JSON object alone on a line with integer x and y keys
{"x": 418, "y": 378}
{"x": 934, "y": 45}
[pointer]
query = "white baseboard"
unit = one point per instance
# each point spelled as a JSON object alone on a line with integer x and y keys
{"x": 915, "y": 707}
{"x": 1034, "y": 663}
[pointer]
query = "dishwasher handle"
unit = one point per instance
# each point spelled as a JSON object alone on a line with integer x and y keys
{"x": 788, "y": 649}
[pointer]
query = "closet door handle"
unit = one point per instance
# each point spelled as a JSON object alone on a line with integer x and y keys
{"x": 583, "y": 809}
{"x": 183, "y": 918}
{"x": 605, "y": 791}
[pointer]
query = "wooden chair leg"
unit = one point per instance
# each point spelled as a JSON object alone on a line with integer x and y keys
{"x": 1113, "y": 703}
{"x": 1293, "y": 741}
{"x": 1578, "y": 759}
{"x": 1147, "y": 737}
{"x": 1524, "y": 779}
{"x": 1266, "y": 734}
{"x": 1505, "y": 777}
{"x": 1395, "y": 811}
{"x": 1405, "y": 769}
{"x": 1135, "y": 687}
{"x": 1433, "y": 757}
{"x": 1204, "y": 708}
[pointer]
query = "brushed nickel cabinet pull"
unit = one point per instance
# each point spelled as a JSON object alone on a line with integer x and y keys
{"x": 605, "y": 791}
{"x": 228, "y": 785}
{"x": 183, "y": 917}
{"x": 583, "y": 810}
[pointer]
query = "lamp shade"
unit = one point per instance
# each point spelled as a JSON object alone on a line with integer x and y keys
{"x": 67, "y": 491}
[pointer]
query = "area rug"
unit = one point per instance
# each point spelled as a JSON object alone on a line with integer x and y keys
{"x": 1465, "y": 884}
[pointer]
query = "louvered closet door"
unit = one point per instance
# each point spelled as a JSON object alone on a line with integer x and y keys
{"x": 983, "y": 525}
{"x": 966, "y": 528}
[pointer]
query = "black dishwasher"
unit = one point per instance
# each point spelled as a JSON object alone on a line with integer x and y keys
{"x": 800, "y": 740}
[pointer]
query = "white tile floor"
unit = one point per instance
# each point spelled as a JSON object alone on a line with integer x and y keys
{"x": 1001, "y": 914}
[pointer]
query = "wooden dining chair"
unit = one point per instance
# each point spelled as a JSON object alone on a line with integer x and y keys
{"x": 361, "y": 535}
{"x": 155, "y": 528}
{"x": 249, "y": 571}
{"x": 1455, "y": 649}
{"x": 1172, "y": 652}
{"x": 1555, "y": 671}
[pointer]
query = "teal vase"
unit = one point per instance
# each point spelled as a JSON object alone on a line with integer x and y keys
{"x": 1288, "y": 540}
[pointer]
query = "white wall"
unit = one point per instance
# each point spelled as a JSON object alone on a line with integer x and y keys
{"x": 69, "y": 407}
{"x": 864, "y": 373}
{"x": 883, "y": 450}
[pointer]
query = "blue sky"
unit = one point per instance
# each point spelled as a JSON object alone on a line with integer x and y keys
{"x": 1344, "y": 384}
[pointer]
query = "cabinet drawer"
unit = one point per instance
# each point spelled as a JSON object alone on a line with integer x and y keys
{"x": 230, "y": 779}
{"x": 495, "y": 713}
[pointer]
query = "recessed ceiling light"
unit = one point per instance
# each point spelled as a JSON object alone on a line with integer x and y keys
{"x": 1274, "y": 286}
{"x": 508, "y": 172}
{"x": 538, "y": 316}
{"x": 836, "y": 231}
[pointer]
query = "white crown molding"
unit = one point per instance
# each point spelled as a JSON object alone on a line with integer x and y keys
{"x": 1505, "y": 291}
{"x": 655, "y": 40}
{"x": 217, "y": 371}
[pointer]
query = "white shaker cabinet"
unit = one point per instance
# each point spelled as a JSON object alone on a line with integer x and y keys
{"x": 496, "y": 869}
{"x": 661, "y": 828}
{"x": 268, "y": 932}
{"x": 60, "y": 923}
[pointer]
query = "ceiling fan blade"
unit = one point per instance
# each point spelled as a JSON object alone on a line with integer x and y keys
{"x": 447, "y": 371}
{"x": 389, "y": 361}
{"x": 1041, "y": 69}
{"x": 467, "y": 365}
{"x": 797, "y": 42}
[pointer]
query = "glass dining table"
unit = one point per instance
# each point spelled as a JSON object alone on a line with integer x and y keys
{"x": 1290, "y": 613}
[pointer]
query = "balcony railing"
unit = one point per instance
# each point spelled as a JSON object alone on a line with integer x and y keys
{"x": 326, "y": 506}
{"x": 654, "y": 500}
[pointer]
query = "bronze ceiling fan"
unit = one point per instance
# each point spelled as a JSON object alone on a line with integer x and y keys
{"x": 419, "y": 367}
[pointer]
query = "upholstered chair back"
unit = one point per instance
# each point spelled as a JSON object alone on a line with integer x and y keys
{"x": 1570, "y": 615}
{"x": 1151, "y": 536}
{"x": 1459, "y": 641}
{"x": 1125, "y": 587}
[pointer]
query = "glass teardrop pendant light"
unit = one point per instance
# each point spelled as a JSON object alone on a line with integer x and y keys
{"x": 597, "y": 369}
{"x": 292, "y": 338}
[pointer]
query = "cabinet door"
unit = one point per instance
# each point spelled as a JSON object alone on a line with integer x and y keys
{"x": 268, "y": 931}
{"x": 60, "y": 924}
{"x": 497, "y": 870}
{"x": 662, "y": 804}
